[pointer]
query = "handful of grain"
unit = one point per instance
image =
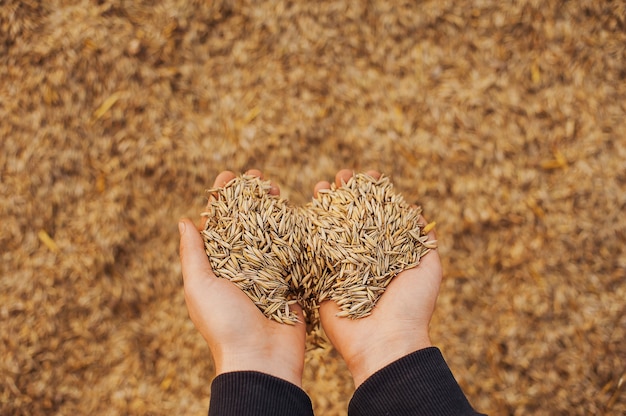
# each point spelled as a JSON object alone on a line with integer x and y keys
{"x": 251, "y": 240}
{"x": 361, "y": 235}
{"x": 346, "y": 245}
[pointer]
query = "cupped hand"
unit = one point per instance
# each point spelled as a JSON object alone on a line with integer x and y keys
{"x": 240, "y": 337}
{"x": 399, "y": 322}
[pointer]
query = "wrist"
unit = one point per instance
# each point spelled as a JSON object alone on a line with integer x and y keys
{"x": 376, "y": 356}
{"x": 276, "y": 365}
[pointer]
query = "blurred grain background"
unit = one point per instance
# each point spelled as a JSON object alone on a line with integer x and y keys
{"x": 504, "y": 120}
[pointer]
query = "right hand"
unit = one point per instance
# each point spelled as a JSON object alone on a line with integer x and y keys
{"x": 399, "y": 322}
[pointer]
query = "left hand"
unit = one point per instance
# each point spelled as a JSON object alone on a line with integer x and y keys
{"x": 240, "y": 337}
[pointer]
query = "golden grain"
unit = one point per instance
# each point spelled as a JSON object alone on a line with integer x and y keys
{"x": 350, "y": 225}
{"x": 345, "y": 246}
{"x": 242, "y": 220}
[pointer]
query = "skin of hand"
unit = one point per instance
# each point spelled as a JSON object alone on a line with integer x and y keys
{"x": 399, "y": 322}
{"x": 239, "y": 336}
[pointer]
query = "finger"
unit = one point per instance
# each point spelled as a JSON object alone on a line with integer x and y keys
{"x": 193, "y": 258}
{"x": 255, "y": 172}
{"x": 223, "y": 178}
{"x": 319, "y": 186}
{"x": 374, "y": 174}
{"x": 274, "y": 189}
{"x": 343, "y": 176}
{"x": 203, "y": 221}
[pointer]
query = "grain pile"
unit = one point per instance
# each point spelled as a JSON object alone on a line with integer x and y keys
{"x": 503, "y": 120}
{"x": 360, "y": 236}
{"x": 345, "y": 246}
{"x": 252, "y": 240}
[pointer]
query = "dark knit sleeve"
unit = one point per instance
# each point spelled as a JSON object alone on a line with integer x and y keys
{"x": 418, "y": 384}
{"x": 245, "y": 393}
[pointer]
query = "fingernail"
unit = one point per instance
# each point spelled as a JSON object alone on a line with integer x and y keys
{"x": 181, "y": 227}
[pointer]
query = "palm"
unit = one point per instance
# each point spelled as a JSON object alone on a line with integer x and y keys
{"x": 239, "y": 335}
{"x": 397, "y": 326}
{"x": 233, "y": 326}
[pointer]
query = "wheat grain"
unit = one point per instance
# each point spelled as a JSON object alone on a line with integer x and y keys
{"x": 246, "y": 245}
{"x": 366, "y": 234}
{"x": 346, "y": 245}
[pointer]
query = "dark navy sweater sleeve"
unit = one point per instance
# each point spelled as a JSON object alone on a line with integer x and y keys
{"x": 248, "y": 393}
{"x": 418, "y": 384}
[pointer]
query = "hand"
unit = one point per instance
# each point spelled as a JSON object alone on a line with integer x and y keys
{"x": 240, "y": 337}
{"x": 399, "y": 322}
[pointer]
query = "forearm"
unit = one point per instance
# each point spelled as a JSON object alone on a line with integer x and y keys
{"x": 419, "y": 383}
{"x": 244, "y": 393}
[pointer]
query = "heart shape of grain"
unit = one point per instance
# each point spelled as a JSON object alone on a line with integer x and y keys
{"x": 346, "y": 245}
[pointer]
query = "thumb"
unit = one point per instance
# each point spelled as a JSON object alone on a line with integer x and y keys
{"x": 193, "y": 258}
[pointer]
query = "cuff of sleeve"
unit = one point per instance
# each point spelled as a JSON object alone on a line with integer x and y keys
{"x": 418, "y": 384}
{"x": 254, "y": 393}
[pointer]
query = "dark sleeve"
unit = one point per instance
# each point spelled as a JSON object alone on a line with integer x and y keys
{"x": 418, "y": 384}
{"x": 245, "y": 393}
